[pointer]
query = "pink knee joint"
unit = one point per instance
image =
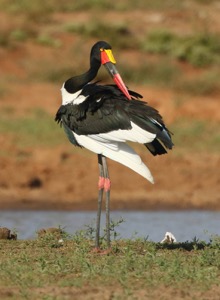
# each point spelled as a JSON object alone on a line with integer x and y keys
{"x": 107, "y": 185}
{"x": 101, "y": 183}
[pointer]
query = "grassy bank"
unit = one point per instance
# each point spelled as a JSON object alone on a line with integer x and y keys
{"x": 135, "y": 269}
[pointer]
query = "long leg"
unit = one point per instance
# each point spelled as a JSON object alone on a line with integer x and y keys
{"x": 107, "y": 186}
{"x": 100, "y": 196}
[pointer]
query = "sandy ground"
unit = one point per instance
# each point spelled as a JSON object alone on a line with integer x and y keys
{"x": 65, "y": 177}
{"x": 105, "y": 293}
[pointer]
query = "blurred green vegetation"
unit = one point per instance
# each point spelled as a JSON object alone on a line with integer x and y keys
{"x": 50, "y": 6}
{"x": 196, "y": 135}
{"x": 119, "y": 34}
{"x": 37, "y": 128}
{"x": 163, "y": 73}
{"x": 200, "y": 49}
{"x": 202, "y": 85}
{"x": 47, "y": 40}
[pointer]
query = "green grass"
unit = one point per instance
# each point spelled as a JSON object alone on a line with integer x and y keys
{"x": 84, "y": 5}
{"x": 51, "y": 73}
{"x": 162, "y": 73}
{"x": 38, "y": 128}
{"x": 201, "y": 85}
{"x": 196, "y": 135}
{"x": 32, "y": 269}
{"x": 165, "y": 73}
{"x": 10, "y": 38}
{"x": 3, "y": 88}
{"x": 119, "y": 34}
{"x": 19, "y": 35}
{"x": 47, "y": 40}
{"x": 200, "y": 49}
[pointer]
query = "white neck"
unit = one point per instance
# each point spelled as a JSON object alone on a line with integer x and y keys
{"x": 75, "y": 98}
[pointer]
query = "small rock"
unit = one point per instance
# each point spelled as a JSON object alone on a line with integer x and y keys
{"x": 35, "y": 183}
{"x": 5, "y": 234}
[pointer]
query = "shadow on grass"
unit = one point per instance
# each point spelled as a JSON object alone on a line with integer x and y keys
{"x": 188, "y": 246}
{"x": 195, "y": 244}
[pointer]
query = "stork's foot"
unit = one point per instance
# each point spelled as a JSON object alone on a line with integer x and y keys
{"x": 95, "y": 250}
{"x": 101, "y": 251}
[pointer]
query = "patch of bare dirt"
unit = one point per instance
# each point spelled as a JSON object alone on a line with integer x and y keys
{"x": 161, "y": 292}
{"x": 60, "y": 179}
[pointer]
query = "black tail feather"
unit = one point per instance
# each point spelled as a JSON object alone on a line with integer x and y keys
{"x": 156, "y": 148}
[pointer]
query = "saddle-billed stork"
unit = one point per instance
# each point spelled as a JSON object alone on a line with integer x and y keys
{"x": 102, "y": 118}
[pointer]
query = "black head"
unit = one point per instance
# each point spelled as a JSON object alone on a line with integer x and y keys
{"x": 100, "y": 45}
{"x": 76, "y": 83}
{"x": 101, "y": 54}
{"x": 97, "y": 48}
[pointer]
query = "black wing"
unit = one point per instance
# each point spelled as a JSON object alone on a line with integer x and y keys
{"x": 101, "y": 112}
{"x": 149, "y": 119}
{"x": 106, "y": 109}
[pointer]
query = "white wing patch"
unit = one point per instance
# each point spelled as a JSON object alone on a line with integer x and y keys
{"x": 136, "y": 134}
{"x": 117, "y": 151}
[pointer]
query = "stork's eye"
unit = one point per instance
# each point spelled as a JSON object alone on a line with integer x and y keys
{"x": 101, "y": 49}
